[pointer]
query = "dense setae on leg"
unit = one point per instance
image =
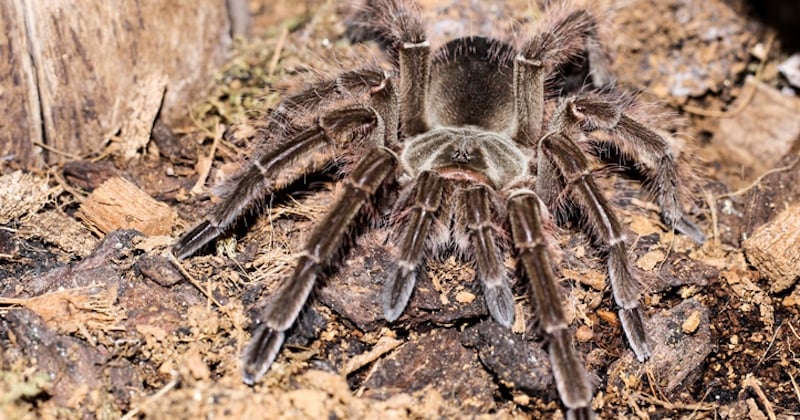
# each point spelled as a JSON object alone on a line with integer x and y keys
{"x": 642, "y": 145}
{"x": 468, "y": 122}
{"x": 295, "y": 151}
{"x": 415, "y": 233}
{"x": 559, "y": 149}
{"x": 526, "y": 213}
{"x": 474, "y": 213}
{"x": 372, "y": 170}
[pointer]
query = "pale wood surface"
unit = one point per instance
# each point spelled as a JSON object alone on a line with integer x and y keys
{"x": 85, "y": 73}
{"x": 119, "y": 204}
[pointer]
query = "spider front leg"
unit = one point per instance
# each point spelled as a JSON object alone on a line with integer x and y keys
{"x": 640, "y": 144}
{"x": 276, "y": 317}
{"x": 474, "y": 212}
{"x": 526, "y": 214}
{"x": 558, "y": 41}
{"x": 558, "y": 154}
{"x": 307, "y": 150}
{"x": 416, "y": 226}
{"x": 398, "y": 25}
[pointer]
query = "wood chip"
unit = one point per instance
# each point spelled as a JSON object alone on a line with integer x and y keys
{"x": 119, "y": 204}
{"x": 774, "y": 249}
{"x": 609, "y": 317}
{"x": 651, "y": 260}
{"x": 23, "y": 194}
{"x": 465, "y": 297}
{"x": 584, "y": 334}
{"x": 691, "y": 323}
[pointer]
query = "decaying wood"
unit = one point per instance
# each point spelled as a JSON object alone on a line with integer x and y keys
{"x": 119, "y": 204}
{"x": 21, "y": 121}
{"x": 774, "y": 249}
{"x": 769, "y": 118}
{"x": 85, "y": 73}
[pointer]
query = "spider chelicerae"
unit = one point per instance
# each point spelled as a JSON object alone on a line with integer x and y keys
{"x": 456, "y": 151}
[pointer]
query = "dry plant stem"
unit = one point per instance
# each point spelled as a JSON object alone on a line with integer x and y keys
{"x": 751, "y": 382}
{"x": 795, "y": 387}
{"x": 192, "y": 280}
{"x": 276, "y": 55}
{"x": 78, "y": 195}
{"x": 151, "y": 399}
{"x": 205, "y": 163}
{"x": 769, "y": 346}
{"x": 54, "y": 150}
{"x": 695, "y": 407}
{"x": 747, "y": 96}
{"x": 759, "y": 179}
{"x": 383, "y": 346}
{"x": 711, "y": 202}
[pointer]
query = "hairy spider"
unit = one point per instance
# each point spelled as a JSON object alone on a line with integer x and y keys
{"x": 457, "y": 150}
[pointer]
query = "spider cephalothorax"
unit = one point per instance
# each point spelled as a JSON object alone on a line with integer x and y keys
{"x": 463, "y": 134}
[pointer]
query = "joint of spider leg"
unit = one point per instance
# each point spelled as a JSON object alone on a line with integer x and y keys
{"x": 376, "y": 90}
{"x": 533, "y": 62}
{"x": 264, "y": 172}
{"x": 417, "y": 44}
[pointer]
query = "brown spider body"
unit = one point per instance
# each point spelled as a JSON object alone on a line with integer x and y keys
{"x": 463, "y": 134}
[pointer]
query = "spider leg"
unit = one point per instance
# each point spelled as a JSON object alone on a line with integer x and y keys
{"x": 557, "y": 41}
{"x": 560, "y": 151}
{"x": 474, "y": 210}
{"x": 307, "y": 149}
{"x": 415, "y": 77}
{"x": 362, "y": 84}
{"x": 359, "y": 187}
{"x": 399, "y": 27}
{"x": 642, "y": 145}
{"x": 416, "y": 227}
{"x": 526, "y": 213}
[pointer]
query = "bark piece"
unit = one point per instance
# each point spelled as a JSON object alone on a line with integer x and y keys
{"x": 763, "y": 133}
{"x": 774, "y": 249}
{"x": 438, "y": 360}
{"x": 85, "y": 73}
{"x": 119, "y": 204}
{"x": 23, "y": 194}
{"x": 676, "y": 354}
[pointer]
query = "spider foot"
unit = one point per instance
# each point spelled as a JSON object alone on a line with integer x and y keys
{"x": 500, "y": 301}
{"x": 633, "y": 325}
{"x": 191, "y": 241}
{"x": 583, "y": 413}
{"x": 396, "y": 293}
{"x": 688, "y": 228}
{"x": 261, "y": 352}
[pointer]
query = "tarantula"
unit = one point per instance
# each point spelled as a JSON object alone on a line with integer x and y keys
{"x": 457, "y": 150}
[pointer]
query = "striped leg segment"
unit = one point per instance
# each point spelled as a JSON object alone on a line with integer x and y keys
{"x": 526, "y": 215}
{"x": 359, "y": 187}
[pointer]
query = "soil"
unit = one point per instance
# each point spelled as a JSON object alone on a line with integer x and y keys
{"x": 101, "y": 322}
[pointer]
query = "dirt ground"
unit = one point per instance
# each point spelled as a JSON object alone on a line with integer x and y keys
{"x": 103, "y": 324}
